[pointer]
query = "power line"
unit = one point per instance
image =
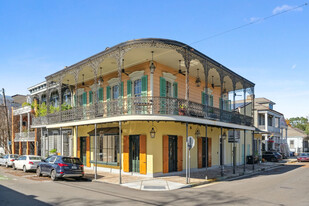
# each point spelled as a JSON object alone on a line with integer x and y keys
{"x": 250, "y": 23}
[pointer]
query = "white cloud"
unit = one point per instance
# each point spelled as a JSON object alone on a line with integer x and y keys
{"x": 293, "y": 66}
{"x": 285, "y": 7}
{"x": 254, "y": 19}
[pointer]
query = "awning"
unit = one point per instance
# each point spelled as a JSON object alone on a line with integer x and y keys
{"x": 107, "y": 130}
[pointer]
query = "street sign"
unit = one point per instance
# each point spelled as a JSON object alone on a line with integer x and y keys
{"x": 190, "y": 142}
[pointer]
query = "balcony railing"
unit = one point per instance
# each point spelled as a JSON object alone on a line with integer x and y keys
{"x": 144, "y": 106}
{"x": 269, "y": 129}
{"x": 24, "y": 137}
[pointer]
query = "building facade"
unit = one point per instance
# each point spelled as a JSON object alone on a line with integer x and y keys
{"x": 297, "y": 140}
{"x": 132, "y": 107}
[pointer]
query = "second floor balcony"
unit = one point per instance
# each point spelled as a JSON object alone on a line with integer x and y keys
{"x": 144, "y": 106}
{"x": 24, "y": 137}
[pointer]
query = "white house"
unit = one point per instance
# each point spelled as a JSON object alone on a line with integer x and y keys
{"x": 295, "y": 139}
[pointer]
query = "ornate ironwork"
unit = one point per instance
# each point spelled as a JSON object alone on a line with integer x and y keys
{"x": 145, "y": 106}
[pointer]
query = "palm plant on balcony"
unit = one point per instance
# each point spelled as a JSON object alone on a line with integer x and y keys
{"x": 65, "y": 107}
{"x": 53, "y": 109}
{"x": 42, "y": 111}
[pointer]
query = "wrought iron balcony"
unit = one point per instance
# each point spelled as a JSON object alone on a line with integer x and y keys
{"x": 24, "y": 137}
{"x": 144, "y": 106}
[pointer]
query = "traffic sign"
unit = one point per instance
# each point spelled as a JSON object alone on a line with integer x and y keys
{"x": 190, "y": 142}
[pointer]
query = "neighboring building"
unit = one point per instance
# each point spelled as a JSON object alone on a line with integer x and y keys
{"x": 270, "y": 123}
{"x": 297, "y": 140}
{"x": 142, "y": 110}
{"x": 14, "y": 101}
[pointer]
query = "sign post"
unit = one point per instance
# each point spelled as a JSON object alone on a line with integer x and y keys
{"x": 190, "y": 145}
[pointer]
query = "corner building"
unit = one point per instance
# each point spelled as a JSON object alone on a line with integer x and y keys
{"x": 133, "y": 105}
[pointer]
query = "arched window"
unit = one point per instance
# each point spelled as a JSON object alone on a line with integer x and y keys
{"x": 43, "y": 98}
{"x": 54, "y": 99}
{"x": 66, "y": 97}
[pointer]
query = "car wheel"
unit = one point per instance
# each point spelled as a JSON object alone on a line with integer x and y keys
{"x": 13, "y": 166}
{"x": 53, "y": 175}
{"x": 6, "y": 165}
{"x": 38, "y": 172}
{"x": 24, "y": 168}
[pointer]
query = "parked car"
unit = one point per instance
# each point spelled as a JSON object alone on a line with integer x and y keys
{"x": 272, "y": 156}
{"x": 303, "y": 157}
{"x": 26, "y": 162}
{"x": 8, "y": 160}
{"x": 61, "y": 167}
{"x": 3, "y": 159}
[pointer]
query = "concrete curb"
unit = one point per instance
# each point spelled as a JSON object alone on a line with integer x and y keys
{"x": 236, "y": 176}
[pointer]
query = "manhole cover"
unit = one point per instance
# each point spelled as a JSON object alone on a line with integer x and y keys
{"x": 154, "y": 187}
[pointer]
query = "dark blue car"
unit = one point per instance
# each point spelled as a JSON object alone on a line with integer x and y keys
{"x": 60, "y": 166}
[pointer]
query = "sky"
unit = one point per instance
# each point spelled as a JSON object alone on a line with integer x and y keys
{"x": 38, "y": 38}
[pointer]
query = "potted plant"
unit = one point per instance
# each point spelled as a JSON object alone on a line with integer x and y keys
{"x": 182, "y": 109}
{"x": 53, "y": 152}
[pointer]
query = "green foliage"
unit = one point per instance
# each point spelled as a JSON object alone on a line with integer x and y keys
{"x": 25, "y": 104}
{"x": 42, "y": 110}
{"x": 53, "y": 109}
{"x": 301, "y": 123}
{"x": 53, "y": 151}
{"x": 65, "y": 107}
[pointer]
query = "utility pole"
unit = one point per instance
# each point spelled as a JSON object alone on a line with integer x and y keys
{"x": 7, "y": 119}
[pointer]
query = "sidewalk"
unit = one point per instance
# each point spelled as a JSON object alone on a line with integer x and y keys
{"x": 200, "y": 177}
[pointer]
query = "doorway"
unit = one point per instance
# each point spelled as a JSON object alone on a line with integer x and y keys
{"x": 134, "y": 157}
{"x": 172, "y": 153}
{"x": 83, "y": 150}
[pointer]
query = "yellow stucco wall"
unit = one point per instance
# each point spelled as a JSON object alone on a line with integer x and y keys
{"x": 155, "y": 145}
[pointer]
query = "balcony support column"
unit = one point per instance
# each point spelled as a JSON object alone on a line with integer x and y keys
{"x": 60, "y": 98}
{"x": 95, "y": 68}
{"x": 221, "y": 155}
{"x": 47, "y": 96}
{"x": 221, "y": 94}
{"x": 234, "y": 145}
{"x": 206, "y": 71}
{"x": 13, "y": 132}
{"x": 187, "y": 59}
{"x": 244, "y": 151}
{"x": 244, "y": 103}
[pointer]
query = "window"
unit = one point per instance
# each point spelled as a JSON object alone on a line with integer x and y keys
{"x": 292, "y": 144}
{"x": 54, "y": 99}
{"x": 261, "y": 119}
{"x": 52, "y": 159}
{"x": 115, "y": 92}
{"x": 108, "y": 148}
{"x": 67, "y": 97}
{"x": 169, "y": 89}
{"x": 270, "y": 120}
{"x": 138, "y": 88}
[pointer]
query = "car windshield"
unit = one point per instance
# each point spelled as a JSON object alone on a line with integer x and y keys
{"x": 14, "y": 156}
{"x": 34, "y": 158}
{"x": 71, "y": 160}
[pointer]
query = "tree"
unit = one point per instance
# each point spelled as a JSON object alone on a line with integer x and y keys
{"x": 301, "y": 123}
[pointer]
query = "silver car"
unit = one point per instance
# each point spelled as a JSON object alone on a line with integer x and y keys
{"x": 8, "y": 160}
{"x": 26, "y": 162}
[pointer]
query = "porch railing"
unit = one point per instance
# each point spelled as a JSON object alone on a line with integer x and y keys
{"x": 24, "y": 137}
{"x": 144, "y": 106}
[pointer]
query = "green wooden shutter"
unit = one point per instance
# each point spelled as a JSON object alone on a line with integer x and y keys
{"x": 211, "y": 100}
{"x": 121, "y": 91}
{"x": 203, "y": 97}
{"x": 175, "y": 90}
{"x": 75, "y": 103}
{"x": 129, "y": 94}
{"x": 162, "y": 87}
{"x": 248, "y": 149}
{"x": 144, "y": 85}
{"x": 108, "y": 93}
{"x": 100, "y": 94}
{"x": 162, "y": 94}
{"x": 84, "y": 98}
{"x": 129, "y": 88}
{"x": 90, "y": 97}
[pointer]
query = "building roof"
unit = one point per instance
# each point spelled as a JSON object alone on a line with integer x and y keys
{"x": 295, "y": 132}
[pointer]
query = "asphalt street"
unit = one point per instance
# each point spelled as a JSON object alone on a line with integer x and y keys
{"x": 287, "y": 185}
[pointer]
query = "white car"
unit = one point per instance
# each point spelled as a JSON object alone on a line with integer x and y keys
{"x": 7, "y": 160}
{"x": 27, "y": 162}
